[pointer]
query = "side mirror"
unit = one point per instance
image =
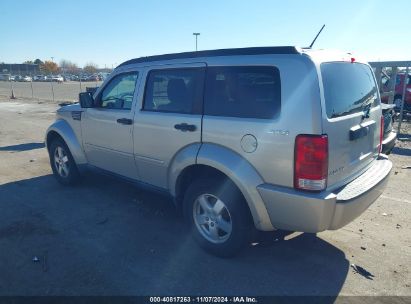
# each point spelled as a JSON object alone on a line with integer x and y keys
{"x": 86, "y": 100}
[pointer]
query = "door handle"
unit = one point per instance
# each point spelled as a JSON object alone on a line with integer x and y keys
{"x": 125, "y": 121}
{"x": 185, "y": 127}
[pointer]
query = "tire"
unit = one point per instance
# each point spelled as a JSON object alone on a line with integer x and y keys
{"x": 217, "y": 216}
{"x": 62, "y": 163}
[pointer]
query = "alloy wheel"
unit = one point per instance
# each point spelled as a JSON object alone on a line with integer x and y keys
{"x": 61, "y": 161}
{"x": 212, "y": 218}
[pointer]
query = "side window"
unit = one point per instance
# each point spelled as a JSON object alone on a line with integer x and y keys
{"x": 119, "y": 92}
{"x": 174, "y": 90}
{"x": 248, "y": 92}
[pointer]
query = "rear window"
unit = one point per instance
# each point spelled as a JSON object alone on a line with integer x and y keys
{"x": 247, "y": 92}
{"x": 174, "y": 90}
{"x": 348, "y": 88}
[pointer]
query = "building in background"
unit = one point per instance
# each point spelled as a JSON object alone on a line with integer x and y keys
{"x": 19, "y": 69}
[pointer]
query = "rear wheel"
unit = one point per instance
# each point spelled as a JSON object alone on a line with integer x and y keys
{"x": 218, "y": 216}
{"x": 62, "y": 163}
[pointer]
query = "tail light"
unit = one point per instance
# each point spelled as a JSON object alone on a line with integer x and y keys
{"x": 311, "y": 162}
{"x": 381, "y": 134}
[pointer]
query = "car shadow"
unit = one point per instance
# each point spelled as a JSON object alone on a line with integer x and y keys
{"x": 23, "y": 147}
{"x": 106, "y": 237}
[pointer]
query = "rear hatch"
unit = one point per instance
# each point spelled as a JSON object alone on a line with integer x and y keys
{"x": 351, "y": 119}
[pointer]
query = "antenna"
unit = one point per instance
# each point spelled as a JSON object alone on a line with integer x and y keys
{"x": 312, "y": 43}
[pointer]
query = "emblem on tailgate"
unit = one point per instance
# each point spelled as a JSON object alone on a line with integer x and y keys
{"x": 279, "y": 132}
{"x": 336, "y": 171}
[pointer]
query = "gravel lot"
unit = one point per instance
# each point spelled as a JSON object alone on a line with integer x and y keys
{"x": 106, "y": 237}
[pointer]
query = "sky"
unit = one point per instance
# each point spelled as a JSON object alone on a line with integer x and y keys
{"x": 109, "y": 32}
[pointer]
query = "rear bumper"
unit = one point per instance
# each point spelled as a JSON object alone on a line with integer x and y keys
{"x": 389, "y": 142}
{"x": 314, "y": 212}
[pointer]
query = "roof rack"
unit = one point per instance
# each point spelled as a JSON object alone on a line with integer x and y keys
{"x": 215, "y": 53}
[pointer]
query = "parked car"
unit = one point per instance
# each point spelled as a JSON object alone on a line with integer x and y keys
{"x": 40, "y": 78}
{"x": 104, "y": 75}
{"x": 93, "y": 78}
{"x": 18, "y": 78}
{"x": 5, "y": 77}
{"x": 57, "y": 78}
{"x": 84, "y": 78}
{"x": 399, "y": 87}
{"x": 269, "y": 138}
{"x": 26, "y": 79}
{"x": 390, "y": 136}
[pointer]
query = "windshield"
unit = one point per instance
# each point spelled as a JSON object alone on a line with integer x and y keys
{"x": 348, "y": 88}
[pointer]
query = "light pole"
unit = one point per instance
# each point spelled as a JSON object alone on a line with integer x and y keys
{"x": 196, "y": 34}
{"x": 51, "y": 80}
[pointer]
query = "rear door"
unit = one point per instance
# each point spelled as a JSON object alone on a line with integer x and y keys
{"x": 351, "y": 119}
{"x": 169, "y": 119}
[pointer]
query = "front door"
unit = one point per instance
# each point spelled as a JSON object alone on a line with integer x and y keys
{"x": 108, "y": 126}
{"x": 169, "y": 119}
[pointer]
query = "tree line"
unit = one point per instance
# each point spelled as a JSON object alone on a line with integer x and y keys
{"x": 65, "y": 66}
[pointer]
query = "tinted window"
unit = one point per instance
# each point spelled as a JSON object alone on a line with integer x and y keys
{"x": 174, "y": 90}
{"x": 348, "y": 87}
{"x": 249, "y": 92}
{"x": 119, "y": 92}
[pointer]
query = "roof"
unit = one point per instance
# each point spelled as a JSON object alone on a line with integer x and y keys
{"x": 215, "y": 53}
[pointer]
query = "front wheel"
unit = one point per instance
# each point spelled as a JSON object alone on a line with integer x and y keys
{"x": 218, "y": 216}
{"x": 62, "y": 163}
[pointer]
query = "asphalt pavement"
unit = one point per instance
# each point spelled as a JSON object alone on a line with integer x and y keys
{"x": 106, "y": 237}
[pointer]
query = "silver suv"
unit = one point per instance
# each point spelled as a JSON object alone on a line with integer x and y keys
{"x": 271, "y": 137}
